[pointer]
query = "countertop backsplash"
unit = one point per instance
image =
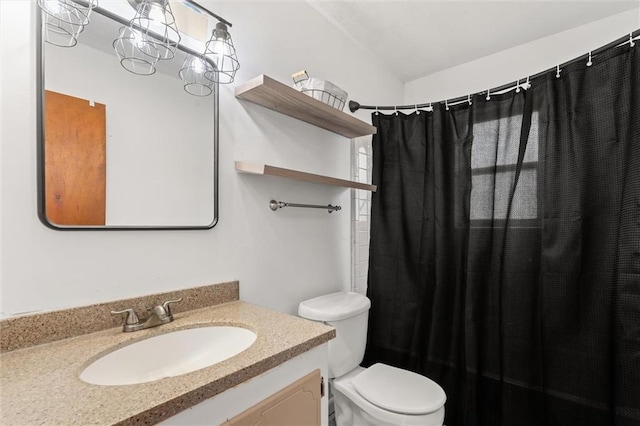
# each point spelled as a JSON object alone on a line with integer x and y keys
{"x": 45, "y": 327}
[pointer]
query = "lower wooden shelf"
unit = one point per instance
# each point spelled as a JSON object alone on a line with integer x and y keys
{"x": 266, "y": 169}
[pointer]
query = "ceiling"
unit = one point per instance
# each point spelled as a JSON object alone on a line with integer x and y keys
{"x": 417, "y": 38}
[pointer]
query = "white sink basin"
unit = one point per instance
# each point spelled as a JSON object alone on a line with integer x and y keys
{"x": 168, "y": 355}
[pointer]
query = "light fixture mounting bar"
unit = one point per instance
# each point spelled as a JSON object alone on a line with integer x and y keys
{"x": 204, "y": 9}
{"x": 134, "y": 4}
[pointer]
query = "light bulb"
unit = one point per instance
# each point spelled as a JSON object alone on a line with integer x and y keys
{"x": 156, "y": 13}
{"x": 138, "y": 39}
{"x": 219, "y": 50}
{"x": 198, "y": 65}
{"x": 53, "y": 6}
{"x": 220, "y": 46}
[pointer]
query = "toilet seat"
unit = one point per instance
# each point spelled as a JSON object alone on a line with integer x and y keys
{"x": 399, "y": 391}
{"x": 344, "y": 390}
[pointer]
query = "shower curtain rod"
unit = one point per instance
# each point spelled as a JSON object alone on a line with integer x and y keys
{"x": 622, "y": 41}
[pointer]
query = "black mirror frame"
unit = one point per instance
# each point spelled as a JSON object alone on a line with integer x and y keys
{"x": 42, "y": 215}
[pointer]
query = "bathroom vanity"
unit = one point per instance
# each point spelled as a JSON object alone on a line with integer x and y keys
{"x": 41, "y": 383}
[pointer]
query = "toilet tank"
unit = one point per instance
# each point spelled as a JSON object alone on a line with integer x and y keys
{"x": 348, "y": 313}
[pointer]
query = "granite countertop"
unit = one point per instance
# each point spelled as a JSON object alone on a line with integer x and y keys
{"x": 41, "y": 384}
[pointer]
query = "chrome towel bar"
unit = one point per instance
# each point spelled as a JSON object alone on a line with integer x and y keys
{"x": 275, "y": 205}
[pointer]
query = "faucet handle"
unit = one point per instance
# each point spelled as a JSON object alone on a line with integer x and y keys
{"x": 166, "y": 304}
{"x": 131, "y": 318}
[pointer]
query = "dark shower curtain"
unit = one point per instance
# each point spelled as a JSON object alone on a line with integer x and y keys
{"x": 505, "y": 249}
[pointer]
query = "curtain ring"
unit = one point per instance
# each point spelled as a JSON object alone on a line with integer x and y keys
{"x": 527, "y": 84}
{"x": 377, "y": 111}
{"x": 488, "y": 94}
{"x": 589, "y": 63}
{"x": 558, "y": 70}
{"x": 446, "y": 104}
{"x": 417, "y": 111}
{"x": 631, "y": 43}
{"x": 430, "y": 107}
{"x": 469, "y": 99}
{"x": 518, "y": 86}
{"x": 396, "y": 109}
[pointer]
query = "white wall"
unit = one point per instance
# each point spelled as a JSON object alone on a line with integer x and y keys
{"x": 280, "y": 258}
{"x": 518, "y": 62}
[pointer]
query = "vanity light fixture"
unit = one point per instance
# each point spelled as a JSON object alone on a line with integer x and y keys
{"x": 151, "y": 35}
{"x": 193, "y": 74}
{"x": 221, "y": 51}
{"x": 64, "y": 20}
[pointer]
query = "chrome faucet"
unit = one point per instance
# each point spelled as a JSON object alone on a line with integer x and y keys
{"x": 161, "y": 314}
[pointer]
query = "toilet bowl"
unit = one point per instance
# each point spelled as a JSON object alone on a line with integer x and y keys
{"x": 381, "y": 394}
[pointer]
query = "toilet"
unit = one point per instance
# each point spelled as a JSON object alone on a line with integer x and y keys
{"x": 378, "y": 395}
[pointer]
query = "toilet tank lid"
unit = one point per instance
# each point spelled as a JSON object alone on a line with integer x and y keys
{"x": 334, "y": 306}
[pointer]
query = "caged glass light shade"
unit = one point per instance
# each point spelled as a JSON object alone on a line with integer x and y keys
{"x": 194, "y": 74}
{"x": 221, "y": 51}
{"x": 151, "y": 35}
{"x": 64, "y": 20}
{"x": 135, "y": 53}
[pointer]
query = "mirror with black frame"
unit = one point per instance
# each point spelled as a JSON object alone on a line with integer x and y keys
{"x": 118, "y": 150}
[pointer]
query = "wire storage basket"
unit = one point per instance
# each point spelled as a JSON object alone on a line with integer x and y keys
{"x": 322, "y": 90}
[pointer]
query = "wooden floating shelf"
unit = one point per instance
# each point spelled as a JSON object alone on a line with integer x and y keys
{"x": 267, "y": 170}
{"x": 272, "y": 94}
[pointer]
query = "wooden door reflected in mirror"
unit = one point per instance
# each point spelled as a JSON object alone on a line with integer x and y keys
{"x": 75, "y": 160}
